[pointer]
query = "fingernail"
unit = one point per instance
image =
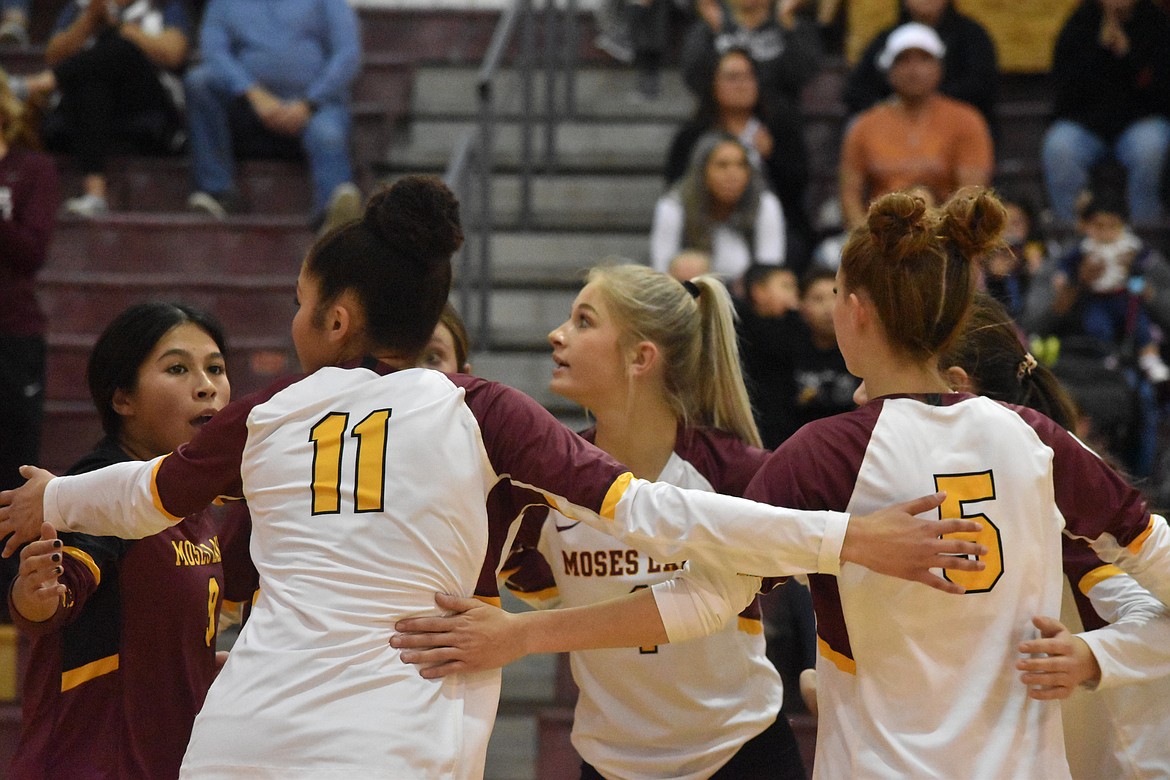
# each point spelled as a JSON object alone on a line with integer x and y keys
{"x": 60, "y": 569}
{"x": 56, "y": 557}
{"x": 56, "y": 542}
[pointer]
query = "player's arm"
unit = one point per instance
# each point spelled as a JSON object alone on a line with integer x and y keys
{"x": 480, "y": 636}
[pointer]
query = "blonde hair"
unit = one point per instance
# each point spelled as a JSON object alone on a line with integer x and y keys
{"x": 694, "y": 329}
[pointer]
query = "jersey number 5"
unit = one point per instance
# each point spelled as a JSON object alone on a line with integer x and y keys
{"x": 963, "y": 489}
{"x": 328, "y": 437}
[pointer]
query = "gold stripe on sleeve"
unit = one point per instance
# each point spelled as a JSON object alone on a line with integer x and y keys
{"x": 751, "y": 625}
{"x": 839, "y": 660}
{"x": 1136, "y": 545}
{"x": 158, "y": 504}
{"x": 494, "y": 601}
{"x": 82, "y": 557}
{"x": 1096, "y": 577}
{"x": 81, "y": 674}
{"x": 614, "y": 495}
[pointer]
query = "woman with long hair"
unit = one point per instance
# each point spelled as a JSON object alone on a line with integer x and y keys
{"x": 722, "y": 207}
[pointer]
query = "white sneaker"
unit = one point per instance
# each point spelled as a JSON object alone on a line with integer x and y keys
{"x": 87, "y": 206}
{"x": 206, "y": 203}
{"x": 345, "y": 205}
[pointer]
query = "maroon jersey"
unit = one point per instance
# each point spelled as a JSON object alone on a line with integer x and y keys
{"x": 116, "y": 677}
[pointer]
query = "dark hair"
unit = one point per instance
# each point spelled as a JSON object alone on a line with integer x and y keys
{"x": 917, "y": 264}
{"x": 127, "y": 341}
{"x": 993, "y": 354}
{"x": 396, "y": 260}
{"x": 759, "y": 273}
{"x": 815, "y": 274}
{"x": 707, "y": 111}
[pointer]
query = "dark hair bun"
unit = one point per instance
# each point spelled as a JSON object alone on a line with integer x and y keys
{"x": 901, "y": 225}
{"x": 973, "y": 219}
{"x": 419, "y": 215}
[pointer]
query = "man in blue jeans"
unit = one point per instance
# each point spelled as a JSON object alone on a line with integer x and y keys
{"x": 274, "y": 81}
{"x": 1111, "y": 75}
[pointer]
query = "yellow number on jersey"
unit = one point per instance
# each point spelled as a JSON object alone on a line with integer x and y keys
{"x": 328, "y": 436}
{"x": 212, "y": 600}
{"x": 962, "y": 489}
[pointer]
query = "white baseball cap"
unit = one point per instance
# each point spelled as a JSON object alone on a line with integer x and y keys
{"x": 912, "y": 35}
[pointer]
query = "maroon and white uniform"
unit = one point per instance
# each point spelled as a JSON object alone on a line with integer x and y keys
{"x": 913, "y": 682}
{"x": 369, "y": 492}
{"x": 679, "y": 710}
{"x": 117, "y": 675}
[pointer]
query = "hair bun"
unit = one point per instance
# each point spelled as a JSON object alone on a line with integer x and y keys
{"x": 973, "y": 219}
{"x": 901, "y": 224}
{"x": 419, "y": 215}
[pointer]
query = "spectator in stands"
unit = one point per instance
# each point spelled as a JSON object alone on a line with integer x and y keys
{"x": 1111, "y": 76}
{"x": 767, "y": 319}
{"x": 784, "y": 43}
{"x": 722, "y": 206}
{"x": 1110, "y": 288}
{"x": 114, "y": 64}
{"x": 918, "y": 137}
{"x": 636, "y": 32}
{"x": 970, "y": 73}
{"x": 14, "y": 22}
{"x": 275, "y": 81}
{"x": 28, "y": 203}
{"x": 1007, "y": 271}
{"x": 731, "y": 103}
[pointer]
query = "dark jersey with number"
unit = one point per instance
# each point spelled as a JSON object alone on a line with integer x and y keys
{"x": 116, "y": 677}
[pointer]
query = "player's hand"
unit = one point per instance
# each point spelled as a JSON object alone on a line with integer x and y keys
{"x": 1057, "y": 663}
{"x": 892, "y": 541}
{"x": 36, "y": 591}
{"x": 22, "y": 509}
{"x": 477, "y": 637}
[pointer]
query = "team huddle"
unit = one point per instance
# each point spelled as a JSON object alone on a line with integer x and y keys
{"x": 388, "y": 502}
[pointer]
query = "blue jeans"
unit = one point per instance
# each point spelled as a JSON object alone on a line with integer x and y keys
{"x": 1069, "y": 150}
{"x": 324, "y": 140}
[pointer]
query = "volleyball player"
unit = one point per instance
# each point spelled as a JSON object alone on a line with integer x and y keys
{"x": 122, "y": 634}
{"x": 910, "y": 684}
{"x": 368, "y": 484}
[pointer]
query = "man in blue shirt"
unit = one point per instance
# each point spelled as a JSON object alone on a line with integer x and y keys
{"x": 274, "y": 79}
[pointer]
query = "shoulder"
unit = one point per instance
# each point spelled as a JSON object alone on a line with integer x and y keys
{"x": 726, "y": 462}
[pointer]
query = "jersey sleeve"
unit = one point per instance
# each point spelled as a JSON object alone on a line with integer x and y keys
{"x": 1131, "y": 629}
{"x": 141, "y": 498}
{"x": 701, "y": 600}
{"x": 526, "y": 444}
{"x": 1104, "y": 510}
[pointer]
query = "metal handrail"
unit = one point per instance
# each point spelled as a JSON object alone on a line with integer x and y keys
{"x": 473, "y": 160}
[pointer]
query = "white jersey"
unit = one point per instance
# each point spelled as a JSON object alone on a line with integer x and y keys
{"x": 679, "y": 710}
{"x": 915, "y": 683}
{"x": 1121, "y": 728}
{"x": 370, "y": 491}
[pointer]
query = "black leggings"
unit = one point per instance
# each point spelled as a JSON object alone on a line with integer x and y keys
{"x": 112, "y": 89}
{"x": 773, "y": 754}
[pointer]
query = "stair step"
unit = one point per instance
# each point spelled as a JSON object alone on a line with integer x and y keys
{"x": 81, "y": 303}
{"x": 600, "y": 91}
{"x": 587, "y": 146}
{"x": 180, "y": 243}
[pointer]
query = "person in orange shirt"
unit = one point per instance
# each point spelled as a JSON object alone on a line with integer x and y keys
{"x": 918, "y": 137}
